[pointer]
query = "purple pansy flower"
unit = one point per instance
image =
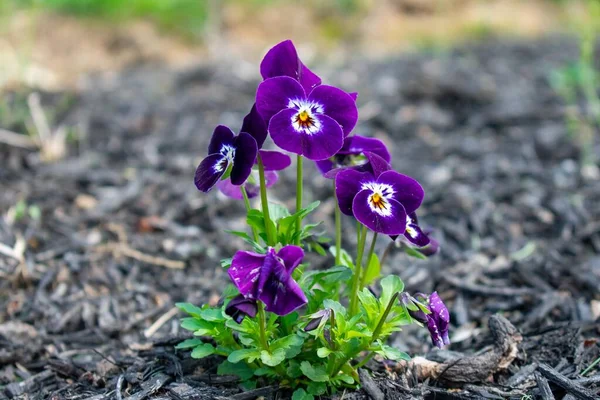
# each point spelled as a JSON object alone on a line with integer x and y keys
{"x": 240, "y": 307}
{"x": 283, "y": 60}
{"x": 226, "y": 150}
{"x": 251, "y": 185}
{"x": 413, "y": 234}
{"x": 382, "y": 204}
{"x": 313, "y": 125}
{"x": 268, "y": 278}
{"x": 437, "y": 322}
{"x": 318, "y": 319}
{"x": 353, "y": 154}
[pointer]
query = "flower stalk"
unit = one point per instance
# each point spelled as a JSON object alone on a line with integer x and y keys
{"x": 248, "y": 208}
{"x": 363, "y": 276}
{"x": 362, "y": 238}
{"x": 262, "y": 321}
{"x": 271, "y": 240}
{"x": 299, "y": 188}
{"x": 338, "y": 231}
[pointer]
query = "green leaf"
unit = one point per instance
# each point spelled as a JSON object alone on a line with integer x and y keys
{"x": 278, "y": 211}
{"x": 186, "y": 344}
{"x": 345, "y": 378}
{"x": 316, "y": 388}
{"x": 373, "y": 270}
{"x": 390, "y": 285}
{"x": 199, "y": 327}
{"x": 256, "y": 220}
{"x": 274, "y": 358}
{"x": 212, "y": 314}
{"x": 227, "y": 172}
{"x": 323, "y": 352}
{"x": 300, "y": 394}
{"x": 392, "y": 353}
{"x": 190, "y": 309}
{"x": 412, "y": 252}
{"x": 314, "y": 373}
{"x": 335, "y": 274}
{"x": 243, "y": 354}
{"x": 292, "y": 345}
{"x": 226, "y": 263}
{"x": 240, "y": 369}
{"x": 204, "y": 350}
{"x": 345, "y": 258}
{"x": 370, "y": 305}
{"x": 337, "y": 308}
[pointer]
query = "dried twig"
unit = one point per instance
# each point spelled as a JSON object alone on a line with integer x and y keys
{"x": 17, "y": 140}
{"x": 160, "y": 322}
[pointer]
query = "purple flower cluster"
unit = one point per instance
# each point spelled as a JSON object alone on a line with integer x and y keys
{"x": 437, "y": 320}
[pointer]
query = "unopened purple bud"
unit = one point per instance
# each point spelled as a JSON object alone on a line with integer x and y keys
{"x": 240, "y": 307}
{"x": 318, "y": 320}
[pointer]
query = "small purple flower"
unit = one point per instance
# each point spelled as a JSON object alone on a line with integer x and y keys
{"x": 353, "y": 154}
{"x": 437, "y": 322}
{"x": 240, "y": 307}
{"x": 251, "y": 185}
{"x": 382, "y": 204}
{"x": 283, "y": 60}
{"x": 318, "y": 319}
{"x": 226, "y": 150}
{"x": 313, "y": 125}
{"x": 268, "y": 278}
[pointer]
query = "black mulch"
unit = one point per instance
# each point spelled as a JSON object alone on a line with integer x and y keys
{"x": 517, "y": 214}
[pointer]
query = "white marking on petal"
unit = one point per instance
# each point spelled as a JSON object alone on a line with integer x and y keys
{"x": 378, "y": 200}
{"x": 306, "y": 119}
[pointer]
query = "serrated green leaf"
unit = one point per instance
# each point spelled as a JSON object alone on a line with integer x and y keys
{"x": 316, "y": 373}
{"x": 392, "y": 353}
{"x": 370, "y": 306}
{"x": 316, "y": 388}
{"x": 272, "y": 358}
{"x": 212, "y": 314}
{"x": 338, "y": 273}
{"x": 373, "y": 270}
{"x": 242, "y": 370}
{"x": 390, "y": 285}
{"x": 190, "y": 309}
{"x": 337, "y": 308}
{"x": 243, "y": 354}
{"x": 301, "y": 394}
{"x": 278, "y": 211}
{"x": 203, "y": 350}
{"x": 199, "y": 327}
{"x": 345, "y": 378}
{"x": 186, "y": 344}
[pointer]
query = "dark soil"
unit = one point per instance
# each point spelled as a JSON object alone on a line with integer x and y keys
{"x": 517, "y": 215}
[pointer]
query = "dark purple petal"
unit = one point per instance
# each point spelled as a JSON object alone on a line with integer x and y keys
{"x": 317, "y": 145}
{"x": 439, "y": 312}
{"x": 222, "y": 135}
{"x": 431, "y": 249}
{"x": 274, "y": 95}
{"x": 246, "y": 271}
{"x": 347, "y": 185}
{"x": 354, "y": 95}
{"x": 389, "y": 219}
{"x": 324, "y": 166}
{"x": 252, "y": 188}
{"x": 256, "y": 126}
{"x": 338, "y": 105}
{"x": 407, "y": 190}
{"x": 283, "y": 298}
{"x": 318, "y": 319}
{"x": 413, "y": 233}
{"x": 360, "y": 144}
{"x": 434, "y": 332}
{"x": 291, "y": 256}
{"x": 283, "y": 60}
{"x": 240, "y": 307}
{"x": 376, "y": 164}
{"x": 274, "y": 160}
{"x": 245, "y": 155}
{"x": 209, "y": 171}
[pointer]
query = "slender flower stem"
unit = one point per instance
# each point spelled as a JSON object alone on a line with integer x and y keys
{"x": 263, "y": 326}
{"x": 338, "y": 230}
{"x": 362, "y": 238}
{"x": 365, "y": 360}
{"x": 386, "y": 252}
{"x": 379, "y": 326}
{"x": 271, "y": 240}
{"x": 248, "y": 208}
{"x": 298, "y": 194}
{"x": 369, "y": 256}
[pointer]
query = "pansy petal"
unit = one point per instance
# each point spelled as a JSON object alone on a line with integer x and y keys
{"x": 318, "y": 145}
{"x": 252, "y": 188}
{"x": 256, "y": 126}
{"x": 274, "y": 160}
{"x": 222, "y": 135}
{"x": 431, "y": 249}
{"x": 209, "y": 171}
{"x": 245, "y": 272}
{"x": 274, "y": 95}
{"x": 389, "y": 220}
{"x": 360, "y": 144}
{"x": 354, "y": 95}
{"x": 308, "y": 79}
{"x": 434, "y": 332}
{"x": 413, "y": 233}
{"x": 324, "y": 166}
{"x": 376, "y": 165}
{"x": 291, "y": 256}
{"x": 239, "y": 307}
{"x": 439, "y": 312}
{"x": 282, "y": 298}
{"x": 347, "y": 185}
{"x": 337, "y": 104}
{"x": 245, "y": 155}
{"x": 406, "y": 189}
{"x": 281, "y": 60}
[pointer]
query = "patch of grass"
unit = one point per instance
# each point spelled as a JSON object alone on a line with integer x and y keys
{"x": 181, "y": 16}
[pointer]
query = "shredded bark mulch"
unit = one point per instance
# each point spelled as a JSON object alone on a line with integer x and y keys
{"x": 88, "y": 286}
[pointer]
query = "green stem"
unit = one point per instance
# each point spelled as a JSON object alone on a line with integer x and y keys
{"x": 365, "y": 360}
{"x": 338, "y": 230}
{"x": 271, "y": 240}
{"x": 363, "y": 276}
{"x": 248, "y": 208}
{"x": 298, "y": 195}
{"x": 362, "y": 238}
{"x": 379, "y": 326}
{"x": 263, "y": 326}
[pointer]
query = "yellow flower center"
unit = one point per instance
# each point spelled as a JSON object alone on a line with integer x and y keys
{"x": 378, "y": 201}
{"x": 304, "y": 119}
{"x": 303, "y": 116}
